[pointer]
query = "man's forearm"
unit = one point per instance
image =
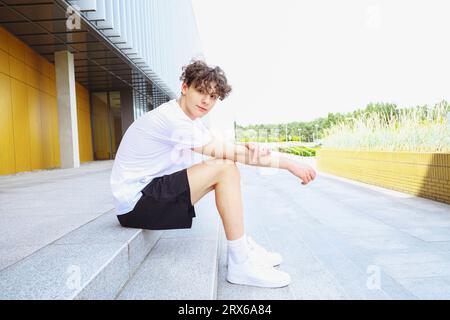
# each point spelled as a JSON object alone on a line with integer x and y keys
{"x": 242, "y": 155}
{"x": 273, "y": 160}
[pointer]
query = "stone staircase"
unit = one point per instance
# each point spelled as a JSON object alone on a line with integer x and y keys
{"x": 102, "y": 260}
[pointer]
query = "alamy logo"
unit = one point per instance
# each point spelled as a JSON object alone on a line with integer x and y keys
{"x": 373, "y": 18}
{"x": 374, "y": 280}
{"x": 73, "y": 21}
{"x": 74, "y": 280}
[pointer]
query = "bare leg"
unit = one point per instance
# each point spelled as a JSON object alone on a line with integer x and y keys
{"x": 223, "y": 176}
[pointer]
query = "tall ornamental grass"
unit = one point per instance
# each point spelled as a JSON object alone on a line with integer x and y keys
{"x": 420, "y": 129}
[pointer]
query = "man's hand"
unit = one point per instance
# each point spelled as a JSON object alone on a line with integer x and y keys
{"x": 256, "y": 151}
{"x": 305, "y": 172}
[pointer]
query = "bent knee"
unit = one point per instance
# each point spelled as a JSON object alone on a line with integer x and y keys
{"x": 224, "y": 166}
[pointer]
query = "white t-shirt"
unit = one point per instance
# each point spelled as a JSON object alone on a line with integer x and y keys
{"x": 156, "y": 144}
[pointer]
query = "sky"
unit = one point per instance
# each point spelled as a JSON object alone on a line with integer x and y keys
{"x": 295, "y": 60}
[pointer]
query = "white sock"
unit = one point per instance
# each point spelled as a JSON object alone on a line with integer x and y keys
{"x": 238, "y": 249}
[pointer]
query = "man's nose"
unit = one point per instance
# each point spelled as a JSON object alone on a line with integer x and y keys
{"x": 206, "y": 99}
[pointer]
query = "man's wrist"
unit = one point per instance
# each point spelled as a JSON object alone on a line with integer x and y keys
{"x": 275, "y": 160}
{"x": 286, "y": 163}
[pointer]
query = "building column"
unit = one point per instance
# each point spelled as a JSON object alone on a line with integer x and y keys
{"x": 67, "y": 109}
{"x": 126, "y": 108}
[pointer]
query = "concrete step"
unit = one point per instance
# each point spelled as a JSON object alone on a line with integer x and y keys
{"x": 91, "y": 262}
{"x": 184, "y": 263}
{"x": 38, "y": 208}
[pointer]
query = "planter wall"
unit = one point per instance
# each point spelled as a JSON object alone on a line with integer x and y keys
{"x": 422, "y": 174}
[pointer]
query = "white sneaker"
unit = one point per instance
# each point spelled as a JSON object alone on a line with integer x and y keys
{"x": 256, "y": 272}
{"x": 272, "y": 258}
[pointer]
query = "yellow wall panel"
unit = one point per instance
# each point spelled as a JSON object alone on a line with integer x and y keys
{"x": 44, "y": 84}
{"x": 47, "y": 69}
{"x": 80, "y": 130}
{"x": 80, "y": 133}
{"x": 17, "y": 69}
{"x": 16, "y": 48}
{"x": 7, "y": 162}
{"x": 41, "y": 64}
{"x": 101, "y": 129}
{"x": 32, "y": 77}
{"x": 52, "y": 87}
{"x": 4, "y": 62}
{"x": 34, "y": 108}
{"x": 46, "y": 123}
{"x": 82, "y": 92}
{"x": 52, "y": 72}
{"x": 85, "y": 136}
{"x": 21, "y": 125}
{"x": 83, "y": 105}
{"x": 113, "y": 137}
{"x": 84, "y": 124}
{"x": 55, "y": 132}
{"x": 89, "y": 153}
{"x": 4, "y": 39}
{"x": 117, "y": 134}
{"x": 32, "y": 58}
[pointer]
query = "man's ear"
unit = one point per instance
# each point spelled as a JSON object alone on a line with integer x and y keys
{"x": 184, "y": 88}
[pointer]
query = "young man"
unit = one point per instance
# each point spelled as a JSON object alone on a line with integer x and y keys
{"x": 155, "y": 186}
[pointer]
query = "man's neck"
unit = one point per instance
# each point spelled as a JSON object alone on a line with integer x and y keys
{"x": 182, "y": 103}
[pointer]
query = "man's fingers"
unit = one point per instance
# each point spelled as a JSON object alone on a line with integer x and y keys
{"x": 305, "y": 179}
{"x": 306, "y": 174}
{"x": 308, "y": 177}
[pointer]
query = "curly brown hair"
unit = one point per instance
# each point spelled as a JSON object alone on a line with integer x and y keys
{"x": 199, "y": 74}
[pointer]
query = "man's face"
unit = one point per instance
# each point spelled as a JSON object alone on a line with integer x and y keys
{"x": 199, "y": 103}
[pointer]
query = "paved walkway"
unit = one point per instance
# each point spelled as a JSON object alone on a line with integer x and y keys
{"x": 345, "y": 240}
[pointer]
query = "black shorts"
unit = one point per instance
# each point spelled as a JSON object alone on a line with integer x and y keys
{"x": 165, "y": 204}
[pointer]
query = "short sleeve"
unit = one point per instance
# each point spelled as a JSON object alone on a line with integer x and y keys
{"x": 190, "y": 134}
